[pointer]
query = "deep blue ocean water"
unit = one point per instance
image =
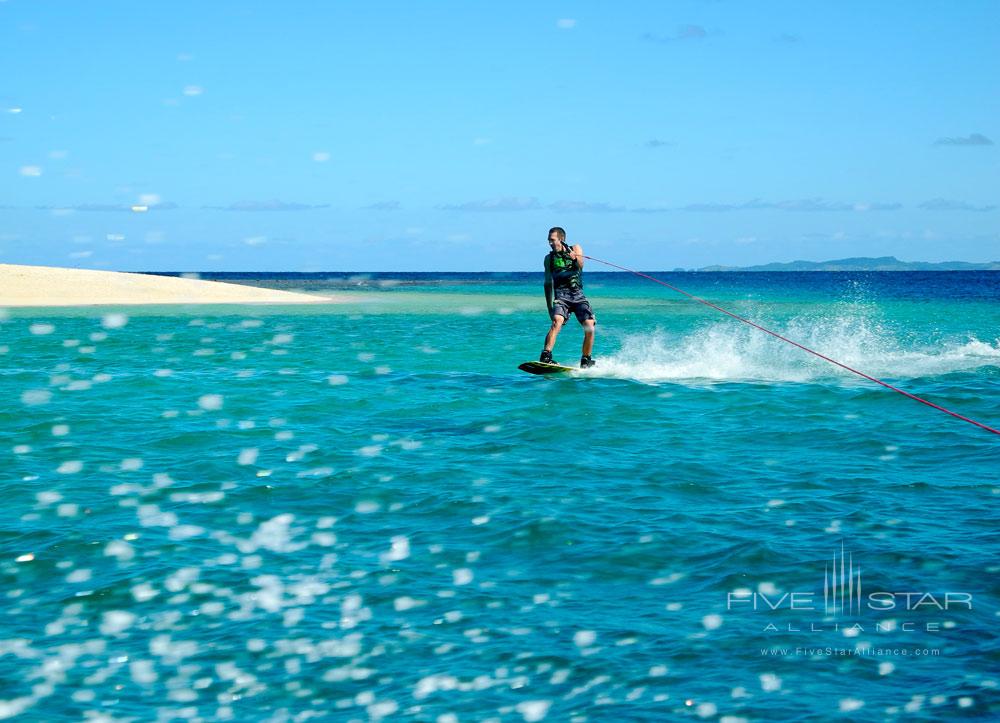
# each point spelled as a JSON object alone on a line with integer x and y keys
{"x": 364, "y": 510}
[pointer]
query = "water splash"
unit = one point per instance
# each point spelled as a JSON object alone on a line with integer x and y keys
{"x": 725, "y": 351}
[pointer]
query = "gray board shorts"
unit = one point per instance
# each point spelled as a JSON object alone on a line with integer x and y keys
{"x": 572, "y": 301}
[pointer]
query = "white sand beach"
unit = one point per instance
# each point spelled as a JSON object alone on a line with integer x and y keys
{"x": 51, "y": 286}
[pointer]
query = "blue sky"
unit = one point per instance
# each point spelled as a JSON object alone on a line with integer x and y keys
{"x": 451, "y": 135}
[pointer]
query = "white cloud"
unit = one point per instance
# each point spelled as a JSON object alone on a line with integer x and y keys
{"x": 384, "y": 206}
{"x": 144, "y": 204}
{"x": 973, "y": 139}
{"x": 584, "y": 206}
{"x": 271, "y": 205}
{"x": 798, "y": 204}
{"x": 565, "y": 23}
{"x": 31, "y": 171}
{"x": 321, "y": 156}
{"x": 945, "y": 204}
{"x": 193, "y": 90}
{"x": 507, "y": 203}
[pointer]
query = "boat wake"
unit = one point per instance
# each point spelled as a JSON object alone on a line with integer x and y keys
{"x": 725, "y": 351}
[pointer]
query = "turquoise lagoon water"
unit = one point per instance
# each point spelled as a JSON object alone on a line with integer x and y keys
{"x": 364, "y": 511}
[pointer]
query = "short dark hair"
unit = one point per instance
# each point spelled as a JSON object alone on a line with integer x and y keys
{"x": 559, "y": 231}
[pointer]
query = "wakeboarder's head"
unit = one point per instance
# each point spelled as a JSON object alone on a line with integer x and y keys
{"x": 557, "y": 238}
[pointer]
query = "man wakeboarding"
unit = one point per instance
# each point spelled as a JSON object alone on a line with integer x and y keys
{"x": 564, "y": 295}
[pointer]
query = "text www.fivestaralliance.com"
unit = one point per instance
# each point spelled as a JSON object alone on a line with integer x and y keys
{"x": 850, "y": 652}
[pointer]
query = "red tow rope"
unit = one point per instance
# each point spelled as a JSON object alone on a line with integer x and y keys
{"x": 800, "y": 346}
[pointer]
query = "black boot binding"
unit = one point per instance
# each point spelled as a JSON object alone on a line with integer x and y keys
{"x": 586, "y": 362}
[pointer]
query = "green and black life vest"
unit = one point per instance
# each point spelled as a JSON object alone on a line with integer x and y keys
{"x": 565, "y": 270}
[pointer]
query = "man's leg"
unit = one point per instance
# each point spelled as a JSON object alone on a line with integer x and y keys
{"x": 550, "y": 338}
{"x": 588, "y": 336}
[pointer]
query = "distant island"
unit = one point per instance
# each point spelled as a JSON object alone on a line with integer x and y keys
{"x": 881, "y": 263}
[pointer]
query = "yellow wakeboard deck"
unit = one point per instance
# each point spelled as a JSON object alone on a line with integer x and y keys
{"x": 536, "y": 367}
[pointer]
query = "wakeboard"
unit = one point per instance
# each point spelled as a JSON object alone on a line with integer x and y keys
{"x": 536, "y": 367}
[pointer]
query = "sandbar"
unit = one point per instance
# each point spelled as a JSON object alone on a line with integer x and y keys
{"x": 22, "y": 285}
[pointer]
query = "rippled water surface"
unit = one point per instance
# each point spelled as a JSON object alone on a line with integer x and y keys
{"x": 364, "y": 511}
